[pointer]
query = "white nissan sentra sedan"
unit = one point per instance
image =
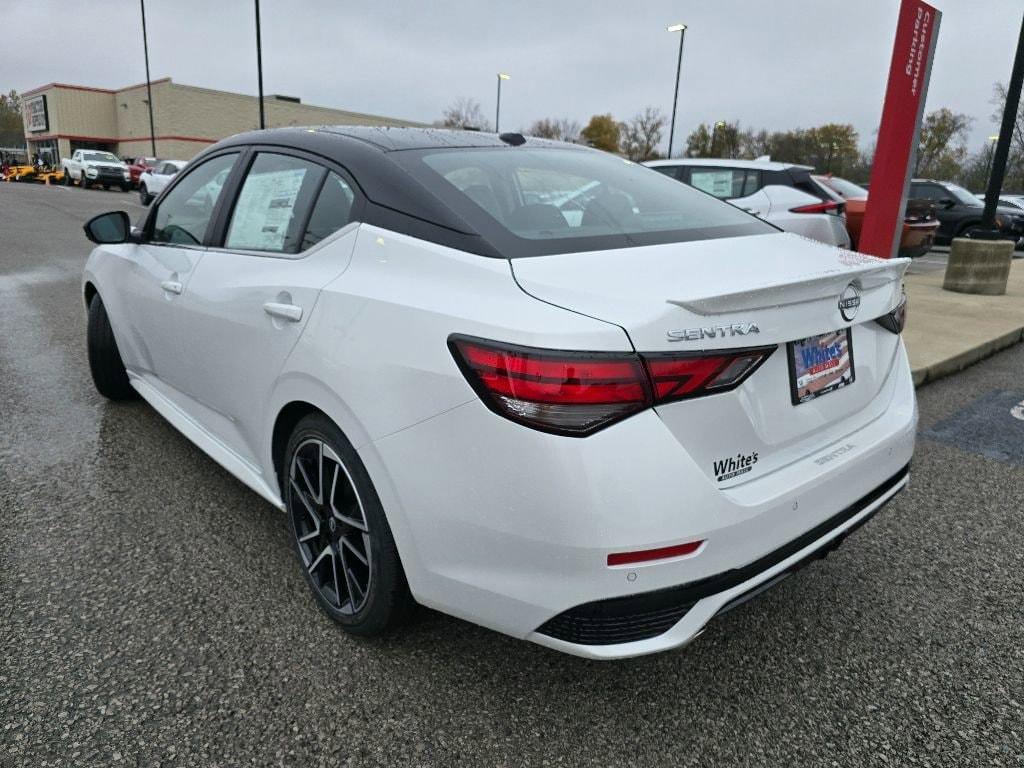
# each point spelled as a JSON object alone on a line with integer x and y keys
{"x": 530, "y": 384}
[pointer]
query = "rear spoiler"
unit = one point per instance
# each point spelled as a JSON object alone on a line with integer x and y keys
{"x": 866, "y": 272}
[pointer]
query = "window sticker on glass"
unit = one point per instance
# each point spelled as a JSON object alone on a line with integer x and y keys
{"x": 264, "y": 210}
{"x": 717, "y": 183}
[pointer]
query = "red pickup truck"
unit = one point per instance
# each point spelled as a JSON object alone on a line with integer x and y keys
{"x": 140, "y": 165}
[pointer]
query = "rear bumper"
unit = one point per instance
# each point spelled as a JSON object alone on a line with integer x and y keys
{"x": 511, "y": 528}
{"x": 620, "y": 626}
{"x": 917, "y": 238}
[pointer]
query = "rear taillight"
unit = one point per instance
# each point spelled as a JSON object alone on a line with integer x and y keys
{"x": 826, "y": 206}
{"x": 896, "y": 320}
{"x": 578, "y": 393}
{"x": 681, "y": 376}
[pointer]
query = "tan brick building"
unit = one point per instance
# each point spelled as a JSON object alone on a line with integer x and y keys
{"x": 61, "y": 118}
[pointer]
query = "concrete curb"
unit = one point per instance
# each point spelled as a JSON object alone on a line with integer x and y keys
{"x": 967, "y": 358}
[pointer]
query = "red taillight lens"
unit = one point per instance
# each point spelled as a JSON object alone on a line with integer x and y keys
{"x": 676, "y": 377}
{"x": 578, "y": 393}
{"x": 571, "y": 393}
{"x": 826, "y": 206}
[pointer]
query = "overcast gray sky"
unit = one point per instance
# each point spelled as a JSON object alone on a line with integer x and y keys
{"x": 779, "y": 64}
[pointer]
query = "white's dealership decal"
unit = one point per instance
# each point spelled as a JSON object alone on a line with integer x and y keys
{"x": 726, "y": 469}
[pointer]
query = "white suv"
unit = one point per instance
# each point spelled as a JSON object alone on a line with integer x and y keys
{"x": 783, "y": 194}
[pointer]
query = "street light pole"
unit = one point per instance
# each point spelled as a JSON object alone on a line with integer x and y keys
{"x": 149, "y": 89}
{"x": 714, "y": 135}
{"x": 681, "y": 29}
{"x": 991, "y": 154}
{"x": 497, "y": 111}
{"x": 259, "y": 64}
{"x": 1002, "y": 153}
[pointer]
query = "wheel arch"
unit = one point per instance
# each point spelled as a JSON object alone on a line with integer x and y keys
{"x": 290, "y": 415}
{"x": 89, "y": 290}
{"x": 299, "y": 395}
{"x": 963, "y": 226}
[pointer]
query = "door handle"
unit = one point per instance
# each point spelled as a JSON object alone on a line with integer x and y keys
{"x": 171, "y": 286}
{"x": 288, "y": 312}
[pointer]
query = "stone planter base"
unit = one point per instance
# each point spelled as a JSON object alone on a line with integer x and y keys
{"x": 978, "y": 266}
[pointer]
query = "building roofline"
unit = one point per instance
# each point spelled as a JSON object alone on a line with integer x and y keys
{"x": 117, "y": 139}
{"x": 266, "y": 99}
{"x": 71, "y": 87}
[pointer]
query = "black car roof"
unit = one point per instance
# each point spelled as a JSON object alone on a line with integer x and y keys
{"x": 368, "y": 153}
{"x": 388, "y": 138}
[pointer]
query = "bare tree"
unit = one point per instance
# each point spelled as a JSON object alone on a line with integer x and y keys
{"x": 560, "y": 129}
{"x": 465, "y": 113}
{"x": 642, "y": 134}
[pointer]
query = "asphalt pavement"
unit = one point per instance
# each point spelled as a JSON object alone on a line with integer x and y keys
{"x": 152, "y": 613}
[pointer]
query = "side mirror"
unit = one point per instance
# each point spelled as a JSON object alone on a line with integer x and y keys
{"x": 947, "y": 202}
{"x": 109, "y": 228}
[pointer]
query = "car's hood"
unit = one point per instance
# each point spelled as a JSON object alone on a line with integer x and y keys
{"x": 100, "y": 164}
{"x": 786, "y": 284}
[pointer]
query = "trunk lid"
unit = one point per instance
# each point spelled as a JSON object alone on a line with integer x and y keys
{"x": 765, "y": 290}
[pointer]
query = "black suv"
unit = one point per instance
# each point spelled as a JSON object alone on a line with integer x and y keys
{"x": 958, "y": 211}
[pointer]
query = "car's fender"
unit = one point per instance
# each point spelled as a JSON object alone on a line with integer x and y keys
{"x": 301, "y": 387}
{"x": 100, "y": 272}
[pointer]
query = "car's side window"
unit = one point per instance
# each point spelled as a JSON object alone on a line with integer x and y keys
{"x": 332, "y": 211}
{"x": 724, "y": 183}
{"x": 273, "y": 204}
{"x": 184, "y": 214}
{"x": 752, "y": 183}
{"x": 672, "y": 171}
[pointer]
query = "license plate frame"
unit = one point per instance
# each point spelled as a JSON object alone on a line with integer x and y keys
{"x": 835, "y": 375}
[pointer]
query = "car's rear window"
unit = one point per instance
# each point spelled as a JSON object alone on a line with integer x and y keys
{"x": 843, "y": 187}
{"x": 536, "y": 201}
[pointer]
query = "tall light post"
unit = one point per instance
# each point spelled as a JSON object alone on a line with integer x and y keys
{"x": 259, "y": 65}
{"x": 681, "y": 29}
{"x": 497, "y": 111}
{"x": 991, "y": 154}
{"x": 1002, "y": 151}
{"x": 149, "y": 89}
{"x": 714, "y": 134}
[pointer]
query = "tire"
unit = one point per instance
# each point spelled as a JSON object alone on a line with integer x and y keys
{"x": 144, "y": 197}
{"x": 349, "y": 558}
{"x": 125, "y": 186}
{"x": 83, "y": 182}
{"x": 106, "y": 187}
{"x": 67, "y": 179}
{"x": 968, "y": 229}
{"x": 108, "y": 373}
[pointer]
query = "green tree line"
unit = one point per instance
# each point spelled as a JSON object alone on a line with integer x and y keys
{"x": 942, "y": 151}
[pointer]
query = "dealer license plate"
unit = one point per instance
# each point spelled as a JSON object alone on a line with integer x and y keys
{"x": 820, "y": 364}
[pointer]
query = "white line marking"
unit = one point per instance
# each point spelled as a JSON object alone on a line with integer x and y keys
{"x": 1018, "y": 411}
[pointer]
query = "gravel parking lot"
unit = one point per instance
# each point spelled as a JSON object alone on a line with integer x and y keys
{"x": 151, "y": 612}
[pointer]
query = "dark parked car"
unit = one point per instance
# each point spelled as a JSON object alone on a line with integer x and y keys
{"x": 959, "y": 211}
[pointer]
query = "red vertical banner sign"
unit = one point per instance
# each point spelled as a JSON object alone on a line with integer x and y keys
{"x": 916, "y": 33}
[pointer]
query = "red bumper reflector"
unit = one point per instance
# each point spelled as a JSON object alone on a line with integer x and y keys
{"x": 662, "y": 553}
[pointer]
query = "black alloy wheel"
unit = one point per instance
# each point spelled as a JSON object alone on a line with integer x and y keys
{"x": 340, "y": 533}
{"x": 331, "y": 528}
